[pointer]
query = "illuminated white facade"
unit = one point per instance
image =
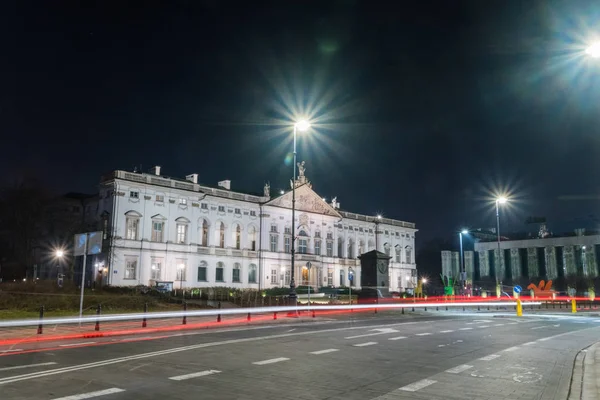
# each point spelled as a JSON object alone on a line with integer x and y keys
{"x": 161, "y": 229}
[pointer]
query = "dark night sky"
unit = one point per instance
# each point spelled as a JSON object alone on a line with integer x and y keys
{"x": 421, "y": 109}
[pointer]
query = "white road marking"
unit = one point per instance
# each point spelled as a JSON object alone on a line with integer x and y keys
{"x": 465, "y": 329}
{"x": 528, "y": 344}
{"x": 483, "y": 326}
{"x": 323, "y": 351}
{"x": 10, "y": 351}
{"x": 544, "y": 339}
{"x": 194, "y": 375}
{"x": 511, "y": 348}
{"x": 556, "y": 326}
{"x": 118, "y": 360}
{"x": 441, "y": 345}
{"x": 27, "y": 366}
{"x": 75, "y": 344}
{"x": 499, "y": 325}
{"x": 579, "y": 322}
{"x": 271, "y": 361}
{"x": 383, "y": 331}
{"x": 365, "y": 344}
{"x": 92, "y": 394}
{"x": 512, "y": 323}
{"x": 458, "y": 369}
{"x": 413, "y": 387}
{"x": 490, "y": 357}
{"x": 423, "y": 334}
{"x": 539, "y": 327}
{"x": 447, "y": 331}
{"x": 397, "y": 338}
{"x": 292, "y": 330}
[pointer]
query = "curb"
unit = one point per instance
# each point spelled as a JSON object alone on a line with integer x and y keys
{"x": 584, "y": 379}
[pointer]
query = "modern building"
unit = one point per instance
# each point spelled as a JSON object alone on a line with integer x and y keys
{"x": 548, "y": 257}
{"x": 160, "y": 229}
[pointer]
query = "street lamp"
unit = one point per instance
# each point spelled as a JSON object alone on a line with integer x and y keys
{"x": 59, "y": 253}
{"x": 499, "y": 200}
{"x": 301, "y": 126}
{"x": 462, "y": 269}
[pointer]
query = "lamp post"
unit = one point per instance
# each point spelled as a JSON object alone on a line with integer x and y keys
{"x": 301, "y": 126}
{"x": 377, "y": 220}
{"x": 499, "y": 200}
{"x": 461, "y": 269}
{"x": 180, "y": 268}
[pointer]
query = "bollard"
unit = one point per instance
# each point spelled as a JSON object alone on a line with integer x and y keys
{"x": 446, "y": 308}
{"x": 248, "y": 318}
{"x": 313, "y": 314}
{"x": 375, "y": 310}
{"x": 40, "y": 326}
{"x": 437, "y": 308}
{"x": 463, "y": 308}
{"x": 219, "y": 315}
{"x": 519, "y": 308}
{"x": 402, "y": 310}
{"x": 144, "y": 324}
{"x": 425, "y": 308}
{"x": 98, "y": 310}
{"x": 573, "y": 306}
{"x": 413, "y": 309}
{"x": 274, "y": 315}
{"x": 184, "y": 322}
{"x": 478, "y": 309}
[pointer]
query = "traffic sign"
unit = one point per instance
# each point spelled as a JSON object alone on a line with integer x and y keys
{"x": 518, "y": 289}
{"x": 350, "y": 276}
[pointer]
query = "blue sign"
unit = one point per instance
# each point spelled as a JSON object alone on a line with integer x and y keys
{"x": 518, "y": 289}
{"x": 350, "y": 276}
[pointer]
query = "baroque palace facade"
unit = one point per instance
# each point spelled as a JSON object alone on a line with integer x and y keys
{"x": 160, "y": 229}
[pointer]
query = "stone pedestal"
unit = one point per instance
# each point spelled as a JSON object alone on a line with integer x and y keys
{"x": 515, "y": 264}
{"x": 374, "y": 271}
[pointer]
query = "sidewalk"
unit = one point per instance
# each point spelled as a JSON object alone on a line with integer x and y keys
{"x": 585, "y": 382}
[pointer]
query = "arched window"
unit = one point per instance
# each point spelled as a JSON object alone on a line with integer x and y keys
{"x": 220, "y": 272}
{"x": 408, "y": 254}
{"x": 252, "y": 273}
{"x": 235, "y": 274}
{"x": 252, "y": 238}
{"x": 340, "y": 249}
{"x": 202, "y": 272}
{"x": 398, "y": 253}
{"x": 387, "y": 248}
{"x": 205, "y": 233}
{"x": 350, "y": 249}
{"x": 238, "y": 237}
{"x": 302, "y": 242}
{"x": 221, "y": 235}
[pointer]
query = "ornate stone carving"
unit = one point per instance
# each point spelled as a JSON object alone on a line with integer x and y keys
{"x": 301, "y": 169}
{"x": 267, "y": 190}
{"x": 306, "y": 200}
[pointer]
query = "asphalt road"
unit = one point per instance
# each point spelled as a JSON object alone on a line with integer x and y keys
{"x": 378, "y": 357}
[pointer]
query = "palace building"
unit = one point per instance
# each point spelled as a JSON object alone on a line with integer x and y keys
{"x": 161, "y": 229}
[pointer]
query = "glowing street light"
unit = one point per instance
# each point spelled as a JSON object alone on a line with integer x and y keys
{"x": 59, "y": 253}
{"x": 593, "y": 50}
{"x": 462, "y": 258}
{"x": 499, "y": 200}
{"x": 301, "y": 126}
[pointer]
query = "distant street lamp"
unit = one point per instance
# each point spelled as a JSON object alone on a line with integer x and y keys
{"x": 499, "y": 200}
{"x": 301, "y": 126}
{"x": 462, "y": 270}
{"x": 59, "y": 253}
{"x": 180, "y": 267}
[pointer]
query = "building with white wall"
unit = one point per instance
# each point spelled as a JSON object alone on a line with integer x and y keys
{"x": 160, "y": 229}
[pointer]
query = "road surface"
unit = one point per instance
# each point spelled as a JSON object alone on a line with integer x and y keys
{"x": 377, "y": 357}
